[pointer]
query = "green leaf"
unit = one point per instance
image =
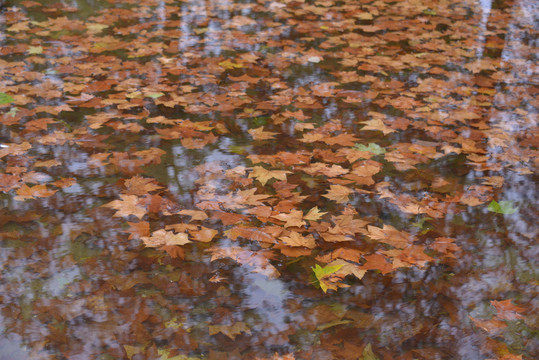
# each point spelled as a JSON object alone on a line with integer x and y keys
{"x": 155, "y": 95}
{"x": 373, "y": 148}
{"x": 13, "y": 111}
{"x": 321, "y": 272}
{"x": 503, "y": 207}
{"x": 5, "y": 99}
{"x": 368, "y": 354}
{"x": 36, "y": 50}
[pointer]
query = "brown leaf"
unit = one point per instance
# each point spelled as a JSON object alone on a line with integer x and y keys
{"x": 128, "y": 205}
{"x": 250, "y": 233}
{"x": 138, "y": 230}
{"x": 264, "y": 175}
{"x": 256, "y": 260}
{"x": 506, "y": 310}
{"x": 163, "y": 237}
{"x": 25, "y": 192}
{"x": 296, "y": 239}
{"x": 260, "y": 134}
{"x": 195, "y": 214}
{"x": 389, "y": 235}
{"x": 204, "y": 234}
{"x": 293, "y": 218}
{"x": 376, "y": 262}
{"x": 338, "y": 193}
{"x": 139, "y": 185}
{"x": 230, "y": 330}
{"x": 314, "y": 214}
{"x": 492, "y": 327}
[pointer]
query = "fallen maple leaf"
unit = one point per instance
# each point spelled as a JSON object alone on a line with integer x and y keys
{"x": 138, "y": 230}
{"x": 250, "y": 233}
{"x": 377, "y": 124}
{"x": 492, "y": 326}
{"x": 506, "y": 310}
{"x": 264, "y": 175}
{"x": 376, "y": 262}
{"x": 230, "y": 330}
{"x": 195, "y": 214}
{"x": 293, "y": 218}
{"x": 25, "y": 192}
{"x": 128, "y": 205}
{"x": 260, "y": 134}
{"x": 338, "y": 193}
{"x": 296, "y": 239}
{"x": 389, "y": 235}
{"x": 204, "y": 234}
{"x": 314, "y": 214}
{"x": 139, "y": 185}
{"x": 256, "y": 260}
{"x": 163, "y": 237}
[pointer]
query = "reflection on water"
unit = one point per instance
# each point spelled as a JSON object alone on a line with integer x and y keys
{"x": 425, "y": 110}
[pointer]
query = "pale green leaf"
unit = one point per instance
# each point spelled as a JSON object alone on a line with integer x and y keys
{"x": 503, "y": 207}
{"x": 372, "y": 147}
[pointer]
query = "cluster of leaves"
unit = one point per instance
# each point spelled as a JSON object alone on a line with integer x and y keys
{"x": 332, "y": 171}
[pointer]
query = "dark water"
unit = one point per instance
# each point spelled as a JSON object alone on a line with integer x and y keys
{"x": 439, "y": 98}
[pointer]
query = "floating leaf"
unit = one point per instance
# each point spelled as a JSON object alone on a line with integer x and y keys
{"x": 321, "y": 272}
{"x": 503, "y": 207}
{"x": 368, "y": 354}
{"x": 372, "y": 147}
{"x": 5, "y": 99}
{"x": 35, "y": 50}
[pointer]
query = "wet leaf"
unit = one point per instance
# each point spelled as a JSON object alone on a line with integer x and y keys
{"x": 163, "y": 237}
{"x": 230, "y": 330}
{"x": 368, "y": 354}
{"x": 372, "y": 147}
{"x": 5, "y": 99}
{"x": 128, "y": 205}
{"x": 503, "y": 207}
{"x": 338, "y": 193}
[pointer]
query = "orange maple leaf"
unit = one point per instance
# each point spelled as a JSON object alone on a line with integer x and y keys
{"x": 293, "y": 218}
{"x": 338, "y": 193}
{"x": 506, "y": 310}
{"x": 204, "y": 234}
{"x": 296, "y": 239}
{"x": 314, "y": 214}
{"x": 377, "y": 124}
{"x": 139, "y": 185}
{"x": 25, "y": 192}
{"x": 128, "y": 205}
{"x": 264, "y": 175}
{"x": 163, "y": 237}
{"x": 260, "y": 134}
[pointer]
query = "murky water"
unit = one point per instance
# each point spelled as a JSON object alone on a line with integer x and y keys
{"x": 411, "y": 125}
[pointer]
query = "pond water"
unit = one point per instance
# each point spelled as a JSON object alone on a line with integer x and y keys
{"x": 286, "y": 179}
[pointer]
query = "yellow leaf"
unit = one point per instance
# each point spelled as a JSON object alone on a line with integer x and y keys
{"x": 227, "y": 64}
{"x": 314, "y": 214}
{"x": 338, "y": 193}
{"x": 377, "y": 124}
{"x": 264, "y": 175}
